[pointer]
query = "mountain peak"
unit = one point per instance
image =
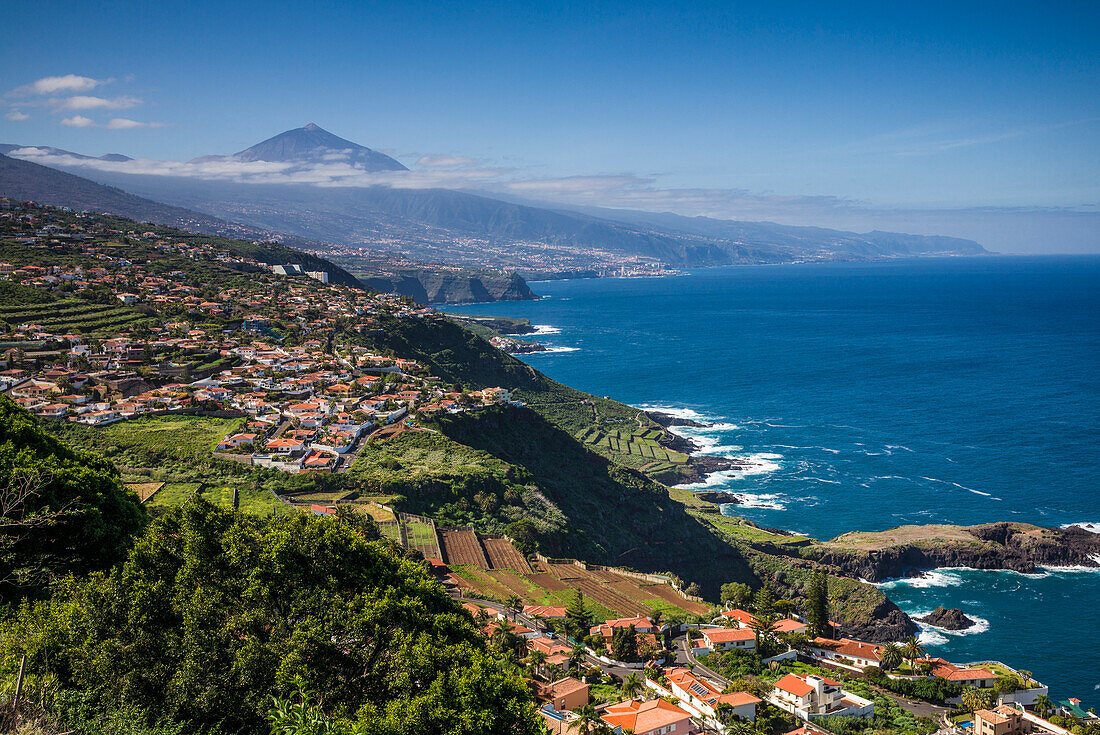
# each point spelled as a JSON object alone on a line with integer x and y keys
{"x": 314, "y": 144}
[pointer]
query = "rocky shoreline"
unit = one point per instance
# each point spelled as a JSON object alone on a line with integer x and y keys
{"x": 905, "y": 552}
{"x": 702, "y": 465}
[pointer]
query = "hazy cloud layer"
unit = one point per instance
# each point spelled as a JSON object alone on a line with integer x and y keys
{"x": 999, "y": 228}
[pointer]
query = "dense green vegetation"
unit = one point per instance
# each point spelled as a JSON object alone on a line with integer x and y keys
{"x": 214, "y": 613}
{"x": 212, "y": 616}
{"x": 63, "y": 510}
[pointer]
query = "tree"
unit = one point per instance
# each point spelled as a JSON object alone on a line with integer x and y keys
{"x": 513, "y": 605}
{"x": 214, "y": 613}
{"x": 537, "y": 658}
{"x": 764, "y": 602}
{"x": 61, "y": 511}
{"x": 632, "y": 686}
{"x": 578, "y": 620}
{"x": 784, "y": 608}
{"x": 913, "y": 650}
{"x": 1042, "y": 704}
{"x": 975, "y": 699}
{"x": 817, "y": 604}
{"x": 891, "y": 656}
{"x": 589, "y": 722}
{"x": 763, "y": 626}
{"x": 624, "y": 644}
{"x": 736, "y": 594}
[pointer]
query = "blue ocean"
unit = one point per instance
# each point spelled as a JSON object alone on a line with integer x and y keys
{"x": 865, "y": 396}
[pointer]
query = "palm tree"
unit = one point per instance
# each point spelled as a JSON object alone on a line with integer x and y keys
{"x": 589, "y": 722}
{"x": 891, "y": 656}
{"x": 1042, "y": 704}
{"x": 632, "y": 686}
{"x": 513, "y": 604}
{"x": 537, "y": 658}
{"x": 576, "y": 657}
{"x": 913, "y": 649}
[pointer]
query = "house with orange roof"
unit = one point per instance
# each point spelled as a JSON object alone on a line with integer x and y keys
{"x": 791, "y": 626}
{"x": 847, "y": 651}
{"x": 550, "y": 612}
{"x": 564, "y": 694}
{"x": 726, "y": 639}
{"x": 282, "y": 445}
{"x": 1001, "y": 720}
{"x": 743, "y": 617}
{"x": 975, "y": 677}
{"x": 816, "y": 696}
{"x": 653, "y": 717}
{"x": 705, "y": 696}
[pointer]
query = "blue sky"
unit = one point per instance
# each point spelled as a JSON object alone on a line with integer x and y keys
{"x": 971, "y": 118}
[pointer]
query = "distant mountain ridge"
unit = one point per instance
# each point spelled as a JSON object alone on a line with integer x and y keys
{"x": 475, "y": 229}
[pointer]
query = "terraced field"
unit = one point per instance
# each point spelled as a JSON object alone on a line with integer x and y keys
{"x": 503, "y": 555}
{"x": 608, "y": 594}
{"x": 74, "y": 315}
{"x": 461, "y": 546}
{"x": 642, "y": 444}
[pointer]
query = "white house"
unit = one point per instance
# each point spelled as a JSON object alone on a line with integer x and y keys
{"x": 815, "y": 696}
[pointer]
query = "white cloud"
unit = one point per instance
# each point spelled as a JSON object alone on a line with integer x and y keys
{"x": 78, "y": 121}
{"x": 17, "y": 116}
{"x": 124, "y": 123}
{"x": 87, "y": 102}
{"x": 444, "y": 161}
{"x": 68, "y": 83}
{"x": 118, "y": 123}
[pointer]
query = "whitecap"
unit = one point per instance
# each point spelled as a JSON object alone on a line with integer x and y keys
{"x": 544, "y": 329}
{"x": 550, "y": 350}
{"x": 767, "y": 501}
{"x": 930, "y": 636}
{"x": 679, "y": 412}
{"x": 1090, "y": 526}
{"x": 945, "y": 577}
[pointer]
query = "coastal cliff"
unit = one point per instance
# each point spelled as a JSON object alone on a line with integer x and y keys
{"x": 903, "y": 551}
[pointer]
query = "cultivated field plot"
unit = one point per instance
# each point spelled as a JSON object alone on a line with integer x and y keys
{"x": 642, "y": 444}
{"x": 420, "y": 536}
{"x": 173, "y": 493}
{"x": 391, "y": 530}
{"x": 461, "y": 546}
{"x": 73, "y": 315}
{"x": 502, "y": 555}
{"x": 144, "y": 490}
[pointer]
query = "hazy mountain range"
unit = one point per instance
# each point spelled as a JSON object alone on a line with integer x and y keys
{"x": 296, "y": 183}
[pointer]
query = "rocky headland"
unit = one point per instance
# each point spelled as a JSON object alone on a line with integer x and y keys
{"x": 948, "y": 619}
{"x": 1020, "y": 547}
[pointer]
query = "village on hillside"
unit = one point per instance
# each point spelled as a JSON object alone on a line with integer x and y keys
{"x": 123, "y": 339}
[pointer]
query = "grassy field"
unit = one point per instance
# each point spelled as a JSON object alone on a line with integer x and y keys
{"x": 173, "y": 493}
{"x": 155, "y": 442}
{"x": 739, "y": 529}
